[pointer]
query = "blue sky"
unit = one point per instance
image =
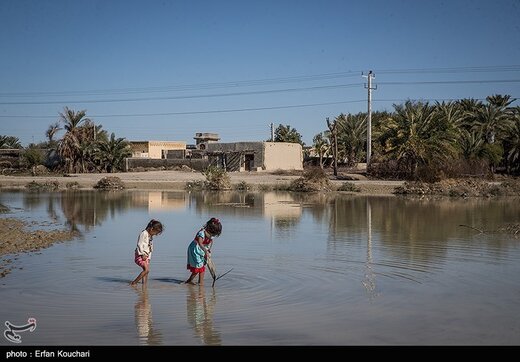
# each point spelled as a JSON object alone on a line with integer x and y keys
{"x": 164, "y": 70}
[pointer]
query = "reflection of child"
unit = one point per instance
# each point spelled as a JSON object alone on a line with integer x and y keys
{"x": 199, "y": 249}
{"x": 144, "y": 249}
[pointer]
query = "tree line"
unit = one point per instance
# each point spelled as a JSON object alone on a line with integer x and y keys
{"x": 84, "y": 147}
{"x": 419, "y": 140}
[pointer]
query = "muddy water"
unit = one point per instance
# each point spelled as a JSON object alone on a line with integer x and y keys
{"x": 318, "y": 270}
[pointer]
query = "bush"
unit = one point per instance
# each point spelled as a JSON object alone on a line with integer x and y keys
{"x": 243, "y": 186}
{"x": 349, "y": 186}
{"x": 314, "y": 179}
{"x": 43, "y": 186}
{"x": 217, "y": 178}
{"x": 110, "y": 183}
{"x": 72, "y": 185}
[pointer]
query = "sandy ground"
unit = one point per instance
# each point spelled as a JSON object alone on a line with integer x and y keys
{"x": 176, "y": 180}
{"x": 18, "y": 236}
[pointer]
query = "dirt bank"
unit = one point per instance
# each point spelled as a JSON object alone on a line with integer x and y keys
{"x": 176, "y": 180}
{"x": 16, "y": 237}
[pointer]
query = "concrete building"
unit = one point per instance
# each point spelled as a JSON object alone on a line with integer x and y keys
{"x": 203, "y": 139}
{"x": 155, "y": 149}
{"x": 256, "y": 156}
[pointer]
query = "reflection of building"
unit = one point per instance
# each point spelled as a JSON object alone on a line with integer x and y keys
{"x": 158, "y": 200}
{"x": 256, "y": 156}
{"x": 155, "y": 149}
{"x": 281, "y": 205}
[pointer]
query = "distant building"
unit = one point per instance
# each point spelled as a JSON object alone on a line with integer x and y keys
{"x": 256, "y": 156}
{"x": 203, "y": 139}
{"x": 155, "y": 149}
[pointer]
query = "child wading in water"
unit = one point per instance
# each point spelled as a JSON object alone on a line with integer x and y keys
{"x": 199, "y": 249}
{"x": 144, "y": 249}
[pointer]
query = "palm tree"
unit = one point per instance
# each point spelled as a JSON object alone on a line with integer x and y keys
{"x": 10, "y": 142}
{"x": 491, "y": 120}
{"x": 352, "y": 136}
{"x": 52, "y": 130}
{"x": 416, "y": 135}
{"x": 513, "y": 143}
{"x": 321, "y": 146}
{"x": 500, "y": 101}
{"x": 69, "y": 147}
{"x": 287, "y": 134}
{"x": 471, "y": 145}
{"x": 113, "y": 152}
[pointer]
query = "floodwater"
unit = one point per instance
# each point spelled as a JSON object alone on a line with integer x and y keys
{"x": 307, "y": 270}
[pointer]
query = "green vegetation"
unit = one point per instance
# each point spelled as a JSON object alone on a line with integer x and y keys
{"x": 313, "y": 179}
{"x": 43, "y": 186}
{"x": 287, "y": 134}
{"x": 110, "y": 183}
{"x": 349, "y": 186}
{"x": 431, "y": 142}
{"x": 216, "y": 179}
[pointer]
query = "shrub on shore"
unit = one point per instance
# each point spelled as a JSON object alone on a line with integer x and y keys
{"x": 461, "y": 188}
{"x": 216, "y": 178}
{"x": 314, "y": 179}
{"x": 43, "y": 186}
{"x": 110, "y": 183}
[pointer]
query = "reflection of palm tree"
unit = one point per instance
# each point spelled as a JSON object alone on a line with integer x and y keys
{"x": 200, "y": 312}
{"x": 143, "y": 319}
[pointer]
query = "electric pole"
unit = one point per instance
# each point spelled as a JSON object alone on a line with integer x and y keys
{"x": 272, "y": 132}
{"x": 334, "y": 131}
{"x": 368, "y": 86}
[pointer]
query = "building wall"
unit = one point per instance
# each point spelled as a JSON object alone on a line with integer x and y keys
{"x": 139, "y": 149}
{"x": 133, "y": 163}
{"x": 282, "y": 156}
{"x": 258, "y": 156}
{"x": 154, "y": 149}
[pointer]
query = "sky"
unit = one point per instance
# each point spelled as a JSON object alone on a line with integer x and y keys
{"x": 164, "y": 70}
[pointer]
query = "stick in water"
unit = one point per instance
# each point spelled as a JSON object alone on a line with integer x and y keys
{"x": 220, "y": 276}
{"x": 471, "y": 227}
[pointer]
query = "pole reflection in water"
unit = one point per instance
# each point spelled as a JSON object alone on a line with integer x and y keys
{"x": 370, "y": 278}
{"x": 143, "y": 318}
{"x": 200, "y": 312}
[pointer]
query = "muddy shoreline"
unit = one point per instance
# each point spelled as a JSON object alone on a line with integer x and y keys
{"x": 17, "y": 237}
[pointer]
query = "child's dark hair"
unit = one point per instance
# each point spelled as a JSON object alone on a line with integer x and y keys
{"x": 213, "y": 226}
{"x": 156, "y": 226}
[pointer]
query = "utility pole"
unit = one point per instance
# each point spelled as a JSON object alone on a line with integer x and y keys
{"x": 334, "y": 131}
{"x": 368, "y": 86}
{"x": 272, "y": 132}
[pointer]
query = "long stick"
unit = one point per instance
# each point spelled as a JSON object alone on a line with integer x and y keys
{"x": 220, "y": 276}
{"x": 471, "y": 227}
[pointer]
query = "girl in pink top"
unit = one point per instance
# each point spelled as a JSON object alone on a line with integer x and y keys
{"x": 144, "y": 249}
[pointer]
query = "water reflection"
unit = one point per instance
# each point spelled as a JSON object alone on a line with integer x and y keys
{"x": 148, "y": 335}
{"x": 199, "y": 312}
{"x": 400, "y": 224}
{"x": 370, "y": 278}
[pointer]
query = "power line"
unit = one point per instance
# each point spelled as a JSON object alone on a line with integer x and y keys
{"x": 271, "y": 91}
{"x": 197, "y": 112}
{"x": 266, "y": 81}
{"x": 186, "y": 96}
{"x": 232, "y": 110}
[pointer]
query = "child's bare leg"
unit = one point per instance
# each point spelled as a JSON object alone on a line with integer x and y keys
{"x": 141, "y": 275}
{"x": 201, "y": 278}
{"x": 190, "y": 278}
